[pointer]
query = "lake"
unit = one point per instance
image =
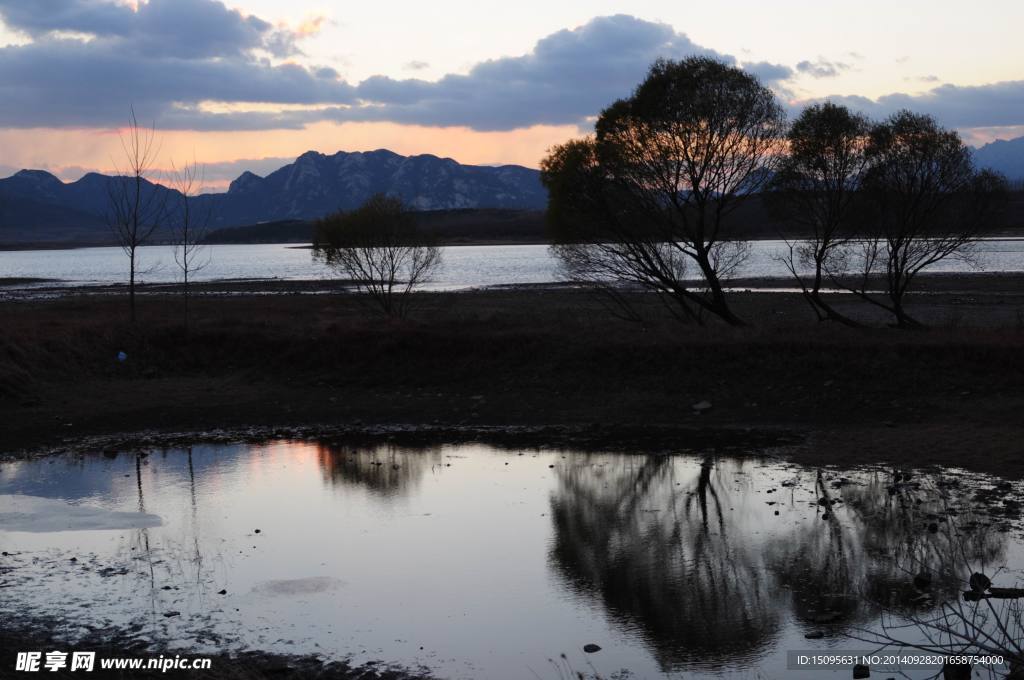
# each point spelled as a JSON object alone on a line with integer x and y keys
{"x": 483, "y": 562}
{"x": 463, "y": 266}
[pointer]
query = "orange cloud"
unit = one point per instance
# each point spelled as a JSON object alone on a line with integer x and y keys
{"x": 310, "y": 26}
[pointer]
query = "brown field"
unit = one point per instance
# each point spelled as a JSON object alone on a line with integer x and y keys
{"x": 951, "y": 394}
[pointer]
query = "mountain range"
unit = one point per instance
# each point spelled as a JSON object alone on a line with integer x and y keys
{"x": 36, "y": 206}
{"x": 1003, "y": 155}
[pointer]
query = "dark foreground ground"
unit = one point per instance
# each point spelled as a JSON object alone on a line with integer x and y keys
{"x": 950, "y": 395}
{"x": 245, "y": 666}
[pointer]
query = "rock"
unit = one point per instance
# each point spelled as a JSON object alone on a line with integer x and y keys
{"x": 702, "y": 405}
{"x": 816, "y": 635}
{"x": 952, "y": 671}
{"x": 107, "y": 572}
{"x": 776, "y": 512}
{"x": 257, "y": 531}
{"x": 591, "y": 648}
{"x": 979, "y": 582}
{"x": 861, "y": 671}
{"x": 222, "y": 592}
{"x": 171, "y": 614}
{"x": 923, "y": 581}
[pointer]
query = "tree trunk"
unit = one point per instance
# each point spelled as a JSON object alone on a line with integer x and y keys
{"x": 131, "y": 286}
{"x": 717, "y": 305}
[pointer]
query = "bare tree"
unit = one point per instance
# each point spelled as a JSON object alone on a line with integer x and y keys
{"x": 135, "y": 206}
{"x": 380, "y": 250}
{"x": 190, "y": 222}
{"x": 925, "y": 202}
{"x": 648, "y": 196}
{"x": 815, "y": 188}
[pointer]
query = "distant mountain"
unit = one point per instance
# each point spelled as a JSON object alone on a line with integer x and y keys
{"x": 1003, "y": 155}
{"x": 316, "y": 184}
{"x": 36, "y": 206}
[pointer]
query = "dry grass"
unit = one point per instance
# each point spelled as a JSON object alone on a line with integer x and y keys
{"x": 495, "y": 357}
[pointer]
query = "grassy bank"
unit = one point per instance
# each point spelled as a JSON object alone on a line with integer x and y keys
{"x": 952, "y": 394}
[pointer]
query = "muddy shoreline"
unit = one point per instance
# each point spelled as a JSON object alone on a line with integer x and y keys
{"x": 39, "y": 635}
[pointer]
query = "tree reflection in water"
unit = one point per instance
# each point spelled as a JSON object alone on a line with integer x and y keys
{"x": 688, "y": 554}
{"x": 385, "y": 469}
{"x": 655, "y": 540}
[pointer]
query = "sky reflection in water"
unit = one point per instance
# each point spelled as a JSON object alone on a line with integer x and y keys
{"x": 482, "y": 562}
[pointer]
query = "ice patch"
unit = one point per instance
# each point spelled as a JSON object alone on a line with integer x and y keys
{"x": 38, "y": 515}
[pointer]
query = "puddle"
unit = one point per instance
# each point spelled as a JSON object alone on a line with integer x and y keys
{"x": 477, "y": 561}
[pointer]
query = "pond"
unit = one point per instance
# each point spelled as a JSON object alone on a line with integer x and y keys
{"x": 478, "y": 561}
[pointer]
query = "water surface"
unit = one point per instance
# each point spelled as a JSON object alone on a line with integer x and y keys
{"x": 462, "y": 267}
{"x": 479, "y": 562}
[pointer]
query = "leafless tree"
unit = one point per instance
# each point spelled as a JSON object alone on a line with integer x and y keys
{"x": 983, "y": 620}
{"x": 925, "y": 202}
{"x": 380, "y": 250}
{"x": 647, "y": 198}
{"x": 136, "y": 208}
{"x": 816, "y": 189}
{"x": 190, "y": 221}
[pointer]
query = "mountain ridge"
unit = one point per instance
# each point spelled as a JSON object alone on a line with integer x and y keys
{"x": 1003, "y": 155}
{"x": 313, "y": 185}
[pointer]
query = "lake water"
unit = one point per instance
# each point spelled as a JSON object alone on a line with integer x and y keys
{"x": 463, "y": 266}
{"x": 481, "y": 562}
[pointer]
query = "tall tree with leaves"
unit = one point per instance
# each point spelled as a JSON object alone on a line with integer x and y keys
{"x": 136, "y": 208}
{"x": 646, "y": 200}
{"x": 816, "y": 189}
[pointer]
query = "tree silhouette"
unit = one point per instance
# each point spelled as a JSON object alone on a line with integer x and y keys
{"x": 925, "y": 202}
{"x": 816, "y": 188}
{"x": 135, "y": 207}
{"x": 379, "y": 249}
{"x": 648, "y": 196}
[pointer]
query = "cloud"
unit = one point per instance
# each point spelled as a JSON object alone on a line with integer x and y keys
{"x": 187, "y": 29}
{"x": 822, "y": 68}
{"x": 199, "y": 65}
{"x": 203, "y": 52}
{"x": 767, "y": 72}
{"x": 567, "y": 77}
{"x": 957, "y": 106}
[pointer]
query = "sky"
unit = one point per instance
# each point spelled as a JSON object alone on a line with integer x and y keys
{"x": 251, "y": 84}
